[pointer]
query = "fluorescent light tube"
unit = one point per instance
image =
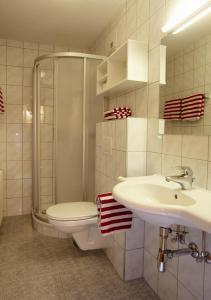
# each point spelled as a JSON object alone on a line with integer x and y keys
{"x": 183, "y": 11}
{"x": 193, "y": 20}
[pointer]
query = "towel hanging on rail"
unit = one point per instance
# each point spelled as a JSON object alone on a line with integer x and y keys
{"x": 112, "y": 216}
{"x": 1, "y": 102}
{"x": 172, "y": 110}
{"x": 117, "y": 113}
{"x": 193, "y": 107}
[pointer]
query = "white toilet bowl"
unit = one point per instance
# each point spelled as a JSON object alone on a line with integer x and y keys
{"x": 79, "y": 219}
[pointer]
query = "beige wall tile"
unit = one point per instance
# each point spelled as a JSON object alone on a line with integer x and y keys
{"x": 134, "y": 238}
{"x": 14, "y": 188}
{"x": 191, "y": 275}
{"x": 184, "y": 294}
{"x": 14, "y": 94}
{"x": 14, "y": 75}
{"x": 14, "y": 56}
{"x": 3, "y": 74}
{"x": 14, "y": 169}
{"x": 134, "y": 264}
{"x": 151, "y": 271}
{"x": 195, "y": 147}
{"x": 3, "y": 55}
{"x": 199, "y": 168}
{"x": 167, "y": 286}
{"x": 172, "y": 144}
{"x": 29, "y": 57}
{"x": 136, "y": 163}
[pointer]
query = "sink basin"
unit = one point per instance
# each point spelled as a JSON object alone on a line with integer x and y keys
{"x": 164, "y": 203}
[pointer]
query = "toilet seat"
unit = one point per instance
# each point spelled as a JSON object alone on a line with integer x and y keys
{"x": 79, "y": 221}
{"x": 72, "y": 211}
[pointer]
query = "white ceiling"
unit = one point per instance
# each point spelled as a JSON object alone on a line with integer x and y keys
{"x": 64, "y": 22}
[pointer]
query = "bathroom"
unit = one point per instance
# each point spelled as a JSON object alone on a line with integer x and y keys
{"x": 84, "y": 114}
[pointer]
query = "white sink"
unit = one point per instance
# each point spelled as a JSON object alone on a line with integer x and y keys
{"x": 164, "y": 203}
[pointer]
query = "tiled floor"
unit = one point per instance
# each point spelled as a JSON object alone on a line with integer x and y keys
{"x": 33, "y": 266}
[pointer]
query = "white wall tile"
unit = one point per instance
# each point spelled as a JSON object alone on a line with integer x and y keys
{"x": 172, "y": 144}
{"x": 150, "y": 270}
{"x": 3, "y": 74}
{"x": 191, "y": 275}
{"x": 14, "y": 75}
{"x": 116, "y": 256}
{"x": 207, "y": 286}
{"x": 136, "y": 134}
{"x": 14, "y": 188}
{"x": 14, "y": 94}
{"x": 14, "y": 56}
{"x": 27, "y": 187}
{"x": 14, "y": 206}
{"x": 142, "y": 11}
{"x": 3, "y": 55}
{"x": 30, "y": 45}
{"x": 170, "y": 164}
{"x": 184, "y": 294}
{"x": 135, "y": 236}
{"x": 27, "y": 76}
{"x": 151, "y": 238}
{"x": 199, "y": 168}
{"x": 14, "y": 170}
{"x": 27, "y": 169}
{"x": 134, "y": 264}
{"x": 195, "y": 147}
{"x": 141, "y": 102}
{"x": 14, "y": 113}
{"x": 121, "y": 137}
{"x": 154, "y": 139}
{"x": 14, "y": 43}
{"x": 14, "y": 133}
{"x": 136, "y": 163}
{"x": 29, "y": 57}
{"x": 14, "y": 151}
{"x": 154, "y": 163}
{"x": 167, "y": 286}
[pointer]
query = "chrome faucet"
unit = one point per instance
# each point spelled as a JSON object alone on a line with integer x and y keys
{"x": 185, "y": 179}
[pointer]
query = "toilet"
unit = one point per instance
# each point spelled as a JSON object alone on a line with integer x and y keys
{"x": 80, "y": 220}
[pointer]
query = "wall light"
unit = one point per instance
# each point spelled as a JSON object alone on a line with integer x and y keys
{"x": 193, "y": 20}
{"x": 183, "y": 12}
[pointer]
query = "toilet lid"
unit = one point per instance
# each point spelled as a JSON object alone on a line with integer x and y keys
{"x": 72, "y": 211}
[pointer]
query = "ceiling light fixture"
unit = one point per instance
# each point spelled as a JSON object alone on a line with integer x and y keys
{"x": 185, "y": 13}
{"x": 193, "y": 20}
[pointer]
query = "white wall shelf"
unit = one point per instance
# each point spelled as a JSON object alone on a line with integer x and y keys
{"x": 124, "y": 69}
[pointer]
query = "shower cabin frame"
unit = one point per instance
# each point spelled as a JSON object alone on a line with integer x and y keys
{"x": 36, "y": 122}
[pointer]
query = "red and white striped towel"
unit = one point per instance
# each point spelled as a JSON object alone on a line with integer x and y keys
{"x": 172, "y": 110}
{"x": 112, "y": 216}
{"x": 193, "y": 107}
{"x": 117, "y": 110}
{"x": 117, "y": 113}
{"x": 1, "y": 102}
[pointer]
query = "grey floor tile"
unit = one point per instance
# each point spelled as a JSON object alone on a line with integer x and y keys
{"x": 36, "y": 267}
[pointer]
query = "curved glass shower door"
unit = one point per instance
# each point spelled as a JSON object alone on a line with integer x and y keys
{"x": 69, "y": 130}
{"x": 65, "y": 114}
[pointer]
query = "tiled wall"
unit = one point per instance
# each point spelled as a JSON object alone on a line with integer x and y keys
{"x": 142, "y": 20}
{"x": 188, "y": 73}
{"x": 16, "y": 62}
{"x": 184, "y": 278}
{"x": 120, "y": 152}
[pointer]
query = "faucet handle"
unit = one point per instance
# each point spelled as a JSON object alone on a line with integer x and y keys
{"x": 186, "y": 170}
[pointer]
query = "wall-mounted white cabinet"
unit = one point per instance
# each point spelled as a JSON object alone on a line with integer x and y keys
{"x": 124, "y": 69}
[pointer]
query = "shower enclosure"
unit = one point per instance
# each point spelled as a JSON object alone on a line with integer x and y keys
{"x": 65, "y": 112}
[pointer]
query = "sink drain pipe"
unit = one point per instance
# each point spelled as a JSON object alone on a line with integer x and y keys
{"x": 164, "y": 253}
